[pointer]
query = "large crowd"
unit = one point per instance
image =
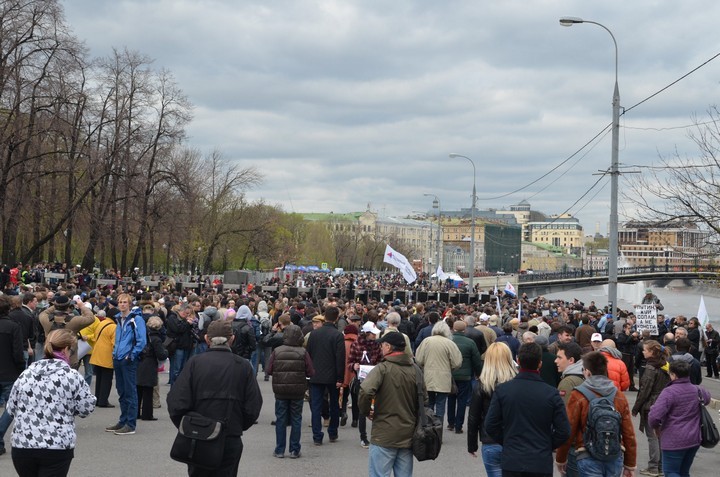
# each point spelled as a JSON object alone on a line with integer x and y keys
{"x": 339, "y": 356}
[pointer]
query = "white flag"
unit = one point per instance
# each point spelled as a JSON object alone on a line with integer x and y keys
{"x": 702, "y": 314}
{"x": 519, "y": 310}
{"x": 441, "y": 274}
{"x": 510, "y": 289}
{"x": 398, "y": 260}
{"x": 497, "y": 299}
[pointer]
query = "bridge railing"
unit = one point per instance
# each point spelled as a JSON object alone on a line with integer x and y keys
{"x": 603, "y": 273}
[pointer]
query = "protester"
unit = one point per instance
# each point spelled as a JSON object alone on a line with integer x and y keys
{"x": 463, "y": 376}
{"x": 130, "y": 340}
{"x": 389, "y": 398}
{"x": 290, "y": 366}
{"x": 218, "y": 385}
{"x": 675, "y": 417}
{"x": 350, "y": 334}
{"x": 327, "y": 350}
{"x": 527, "y": 417}
{"x": 12, "y": 361}
{"x": 712, "y": 349}
{"x": 653, "y": 381}
{"x": 43, "y": 437}
{"x": 101, "y": 359}
{"x": 497, "y": 369}
{"x": 365, "y": 351}
{"x": 147, "y": 371}
{"x": 438, "y": 356}
{"x": 597, "y": 384}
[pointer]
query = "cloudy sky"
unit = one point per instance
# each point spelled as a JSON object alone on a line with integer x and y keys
{"x": 341, "y": 103}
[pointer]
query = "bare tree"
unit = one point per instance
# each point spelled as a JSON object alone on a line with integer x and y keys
{"x": 685, "y": 189}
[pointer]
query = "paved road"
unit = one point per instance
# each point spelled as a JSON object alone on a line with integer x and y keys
{"x": 99, "y": 453}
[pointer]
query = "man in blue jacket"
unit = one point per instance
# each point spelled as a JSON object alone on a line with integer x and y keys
{"x": 528, "y": 418}
{"x": 130, "y": 340}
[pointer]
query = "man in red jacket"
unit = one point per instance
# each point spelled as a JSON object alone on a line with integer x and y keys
{"x": 616, "y": 369}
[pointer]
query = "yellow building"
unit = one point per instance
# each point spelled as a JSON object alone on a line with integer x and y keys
{"x": 562, "y": 231}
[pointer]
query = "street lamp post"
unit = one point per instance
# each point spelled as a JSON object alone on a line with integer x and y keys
{"x": 614, "y": 173}
{"x": 436, "y": 205}
{"x": 472, "y": 227}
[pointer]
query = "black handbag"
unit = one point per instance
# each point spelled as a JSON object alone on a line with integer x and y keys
{"x": 708, "y": 429}
{"x": 427, "y": 438}
{"x": 200, "y": 441}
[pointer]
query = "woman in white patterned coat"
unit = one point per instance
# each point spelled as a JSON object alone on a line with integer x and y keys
{"x": 44, "y": 402}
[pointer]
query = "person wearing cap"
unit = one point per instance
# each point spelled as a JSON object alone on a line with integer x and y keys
{"x": 365, "y": 351}
{"x": 73, "y": 316}
{"x": 596, "y": 341}
{"x": 651, "y": 299}
{"x": 220, "y": 385}
{"x": 327, "y": 350}
{"x": 389, "y": 397}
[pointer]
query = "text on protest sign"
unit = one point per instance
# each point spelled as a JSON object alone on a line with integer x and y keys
{"x": 646, "y": 319}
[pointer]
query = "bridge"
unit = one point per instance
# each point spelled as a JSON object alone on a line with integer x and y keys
{"x": 545, "y": 283}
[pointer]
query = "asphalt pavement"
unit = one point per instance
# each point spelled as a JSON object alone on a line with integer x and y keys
{"x": 146, "y": 453}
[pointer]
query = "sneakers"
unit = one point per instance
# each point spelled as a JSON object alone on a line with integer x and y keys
{"x": 317, "y": 443}
{"x": 125, "y": 431}
{"x": 295, "y": 454}
{"x": 114, "y": 428}
{"x": 650, "y": 472}
{"x": 333, "y": 439}
{"x": 278, "y": 455}
{"x": 364, "y": 443}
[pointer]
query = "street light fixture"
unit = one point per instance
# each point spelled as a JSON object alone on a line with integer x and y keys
{"x": 472, "y": 226}
{"x": 614, "y": 173}
{"x": 436, "y": 205}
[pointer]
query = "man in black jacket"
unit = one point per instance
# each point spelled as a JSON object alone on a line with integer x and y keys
{"x": 528, "y": 418}
{"x": 12, "y": 361}
{"x": 218, "y": 385}
{"x": 326, "y": 347}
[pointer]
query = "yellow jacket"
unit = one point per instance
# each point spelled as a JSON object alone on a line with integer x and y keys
{"x": 104, "y": 342}
{"x": 88, "y": 333}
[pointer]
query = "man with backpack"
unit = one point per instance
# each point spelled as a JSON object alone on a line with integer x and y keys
{"x": 601, "y": 425}
{"x": 245, "y": 342}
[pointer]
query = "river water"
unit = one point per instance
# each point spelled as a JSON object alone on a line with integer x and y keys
{"x": 677, "y": 297}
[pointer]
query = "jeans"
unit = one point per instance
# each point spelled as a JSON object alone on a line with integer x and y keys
{"x": 571, "y": 470}
{"x": 294, "y": 408}
{"x": 5, "y": 419}
{"x": 458, "y": 403}
{"x": 88, "y": 368}
{"x": 492, "y": 459}
{"x": 437, "y": 401}
{"x": 126, "y": 385}
{"x": 677, "y": 463}
{"x": 254, "y": 361}
{"x": 590, "y": 467}
{"x": 177, "y": 362}
{"x": 382, "y": 461}
{"x": 317, "y": 397}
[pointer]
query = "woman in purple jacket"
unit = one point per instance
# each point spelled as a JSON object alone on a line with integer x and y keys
{"x": 676, "y": 418}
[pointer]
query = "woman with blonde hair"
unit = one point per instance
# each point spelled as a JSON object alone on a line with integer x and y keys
{"x": 655, "y": 378}
{"x": 43, "y": 439}
{"x": 499, "y": 368}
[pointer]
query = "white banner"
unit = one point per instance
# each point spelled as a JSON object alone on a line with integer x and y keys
{"x": 646, "y": 319}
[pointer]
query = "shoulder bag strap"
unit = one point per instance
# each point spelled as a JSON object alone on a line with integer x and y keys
{"x": 422, "y": 418}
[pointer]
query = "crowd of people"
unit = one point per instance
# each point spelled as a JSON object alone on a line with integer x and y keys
{"x": 521, "y": 377}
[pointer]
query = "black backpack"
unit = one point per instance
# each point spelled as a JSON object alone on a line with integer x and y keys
{"x": 603, "y": 430}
